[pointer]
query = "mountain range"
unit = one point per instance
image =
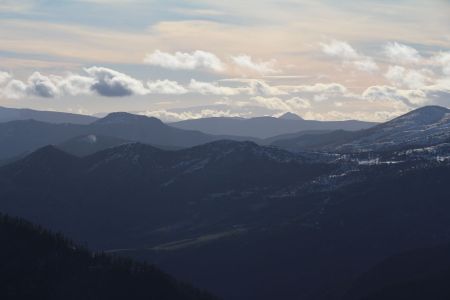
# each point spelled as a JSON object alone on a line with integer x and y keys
{"x": 425, "y": 126}
{"x": 20, "y": 137}
{"x": 260, "y": 212}
{"x": 266, "y": 127}
{"x": 15, "y": 114}
{"x": 245, "y": 220}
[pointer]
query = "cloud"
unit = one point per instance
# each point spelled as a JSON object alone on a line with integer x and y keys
{"x": 42, "y": 86}
{"x": 294, "y": 104}
{"x": 366, "y": 64}
{"x": 14, "y": 89}
{"x": 261, "y": 88}
{"x": 320, "y": 91}
{"x": 185, "y": 61}
{"x": 208, "y": 88}
{"x": 330, "y": 88}
{"x": 443, "y": 60}
{"x": 166, "y": 87}
{"x": 344, "y": 51}
{"x": 400, "y": 53}
{"x": 354, "y": 115}
{"x": 297, "y": 103}
{"x": 340, "y": 49}
{"x": 402, "y": 77}
{"x": 111, "y": 83}
{"x": 4, "y": 77}
{"x": 172, "y": 116}
{"x": 411, "y": 98}
{"x": 105, "y": 82}
{"x": 273, "y": 103}
{"x": 261, "y": 67}
{"x": 36, "y": 85}
{"x": 74, "y": 84}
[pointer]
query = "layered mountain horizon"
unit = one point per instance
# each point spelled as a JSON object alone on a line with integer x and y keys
{"x": 215, "y": 211}
{"x": 233, "y": 214}
{"x": 288, "y": 131}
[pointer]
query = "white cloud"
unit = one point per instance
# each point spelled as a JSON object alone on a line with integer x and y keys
{"x": 402, "y": 77}
{"x": 297, "y": 103}
{"x": 74, "y": 84}
{"x": 166, "y": 87}
{"x": 329, "y": 88}
{"x": 340, "y": 49}
{"x": 208, "y": 88}
{"x": 366, "y": 64}
{"x": 111, "y": 83}
{"x": 400, "y": 53}
{"x": 171, "y": 116}
{"x": 185, "y": 61}
{"x": 261, "y": 67}
{"x": 36, "y": 85}
{"x": 261, "y": 88}
{"x": 273, "y": 103}
{"x": 42, "y": 86}
{"x": 344, "y": 51}
{"x": 4, "y": 77}
{"x": 294, "y": 104}
{"x": 376, "y": 116}
{"x": 14, "y": 89}
{"x": 104, "y": 81}
{"x": 411, "y": 98}
{"x": 443, "y": 60}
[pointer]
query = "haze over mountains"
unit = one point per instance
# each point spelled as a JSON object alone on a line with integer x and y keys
{"x": 27, "y": 135}
{"x": 266, "y": 127}
{"x": 21, "y": 136}
{"x": 241, "y": 219}
{"x": 14, "y": 114}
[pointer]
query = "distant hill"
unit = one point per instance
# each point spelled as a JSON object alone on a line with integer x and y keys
{"x": 148, "y": 130}
{"x": 14, "y": 114}
{"x": 424, "y": 126}
{"x": 89, "y": 144}
{"x": 36, "y": 264}
{"x": 20, "y": 137}
{"x": 290, "y": 116}
{"x": 289, "y": 136}
{"x": 265, "y": 127}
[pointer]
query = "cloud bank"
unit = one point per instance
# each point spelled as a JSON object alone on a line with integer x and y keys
{"x": 342, "y": 50}
{"x": 185, "y": 60}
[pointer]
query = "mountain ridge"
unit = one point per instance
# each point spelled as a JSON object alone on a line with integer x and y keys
{"x": 425, "y": 126}
{"x": 15, "y": 114}
{"x": 265, "y": 127}
{"x": 40, "y": 264}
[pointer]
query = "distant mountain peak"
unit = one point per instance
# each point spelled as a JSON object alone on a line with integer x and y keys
{"x": 46, "y": 157}
{"x": 124, "y": 117}
{"x": 49, "y": 150}
{"x": 423, "y": 115}
{"x": 290, "y": 116}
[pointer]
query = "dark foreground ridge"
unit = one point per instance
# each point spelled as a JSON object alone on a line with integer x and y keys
{"x": 36, "y": 264}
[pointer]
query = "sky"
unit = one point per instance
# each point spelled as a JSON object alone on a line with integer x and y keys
{"x": 324, "y": 59}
